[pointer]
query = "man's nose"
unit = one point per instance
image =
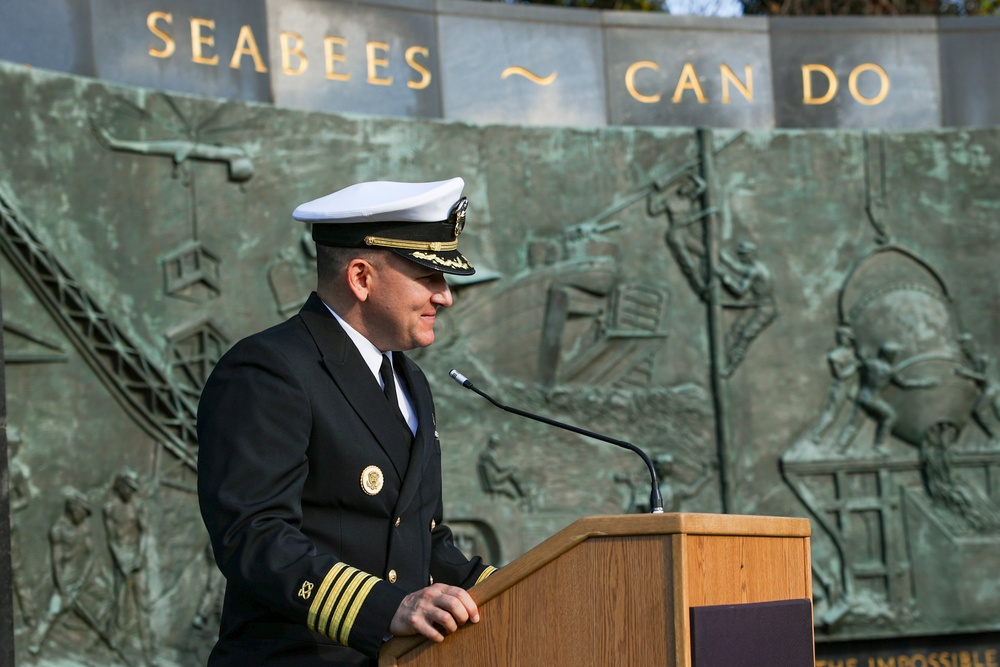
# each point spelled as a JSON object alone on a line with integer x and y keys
{"x": 442, "y": 296}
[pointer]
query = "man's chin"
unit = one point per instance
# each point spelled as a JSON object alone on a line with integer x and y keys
{"x": 417, "y": 342}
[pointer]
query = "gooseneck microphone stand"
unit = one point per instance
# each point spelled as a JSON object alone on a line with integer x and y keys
{"x": 655, "y": 498}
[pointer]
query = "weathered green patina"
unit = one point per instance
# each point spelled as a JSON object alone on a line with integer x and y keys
{"x": 789, "y": 322}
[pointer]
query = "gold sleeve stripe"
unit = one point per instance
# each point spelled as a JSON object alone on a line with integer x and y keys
{"x": 487, "y": 572}
{"x": 339, "y": 600}
{"x": 352, "y": 616}
{"x": 343, "y": 578}
{"x": 321, "y": 594}
{"x": 346, "y": 604}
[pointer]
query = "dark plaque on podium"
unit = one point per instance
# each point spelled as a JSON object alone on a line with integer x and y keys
{"x": 760, "y": 634}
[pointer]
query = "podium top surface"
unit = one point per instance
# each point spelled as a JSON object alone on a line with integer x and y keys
{"x": 688, "y": 524}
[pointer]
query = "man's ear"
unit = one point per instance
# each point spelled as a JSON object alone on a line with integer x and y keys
{"x": 359, "y": 278}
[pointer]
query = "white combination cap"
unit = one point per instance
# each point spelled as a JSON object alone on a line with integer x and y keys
{"x": 418, "y": 221}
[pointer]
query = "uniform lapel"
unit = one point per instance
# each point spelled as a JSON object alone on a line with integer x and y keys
{"x": 356, "y": 382}
{"x": 423, "y": 441}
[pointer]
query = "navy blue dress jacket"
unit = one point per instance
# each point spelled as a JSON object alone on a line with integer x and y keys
{"x": 323, "y": 509}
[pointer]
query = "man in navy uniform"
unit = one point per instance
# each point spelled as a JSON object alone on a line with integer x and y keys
{"x": 319, "y": 472}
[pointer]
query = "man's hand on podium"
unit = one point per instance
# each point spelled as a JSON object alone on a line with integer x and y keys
{"x": 434, "y": 612}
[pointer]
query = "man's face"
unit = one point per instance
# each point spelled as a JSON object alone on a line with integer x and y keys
{"x": 403, "y": 303}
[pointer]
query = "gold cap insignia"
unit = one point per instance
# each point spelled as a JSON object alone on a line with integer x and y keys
{"x": 458, "y": 215}
{"x": 372, "y": 480}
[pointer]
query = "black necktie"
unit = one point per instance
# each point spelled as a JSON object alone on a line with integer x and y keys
{"x": 389, "y": 385}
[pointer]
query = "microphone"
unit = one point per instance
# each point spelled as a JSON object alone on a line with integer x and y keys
{"x": 655, "y": 498}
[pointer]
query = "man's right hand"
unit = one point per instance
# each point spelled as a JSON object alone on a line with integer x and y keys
{"x": 434, "y": 612}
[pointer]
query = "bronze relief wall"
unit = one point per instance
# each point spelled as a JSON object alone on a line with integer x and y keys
{"x": 790, "y": 323}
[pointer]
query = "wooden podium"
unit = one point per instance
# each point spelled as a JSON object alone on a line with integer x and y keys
{"x": 618, "y": 590}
